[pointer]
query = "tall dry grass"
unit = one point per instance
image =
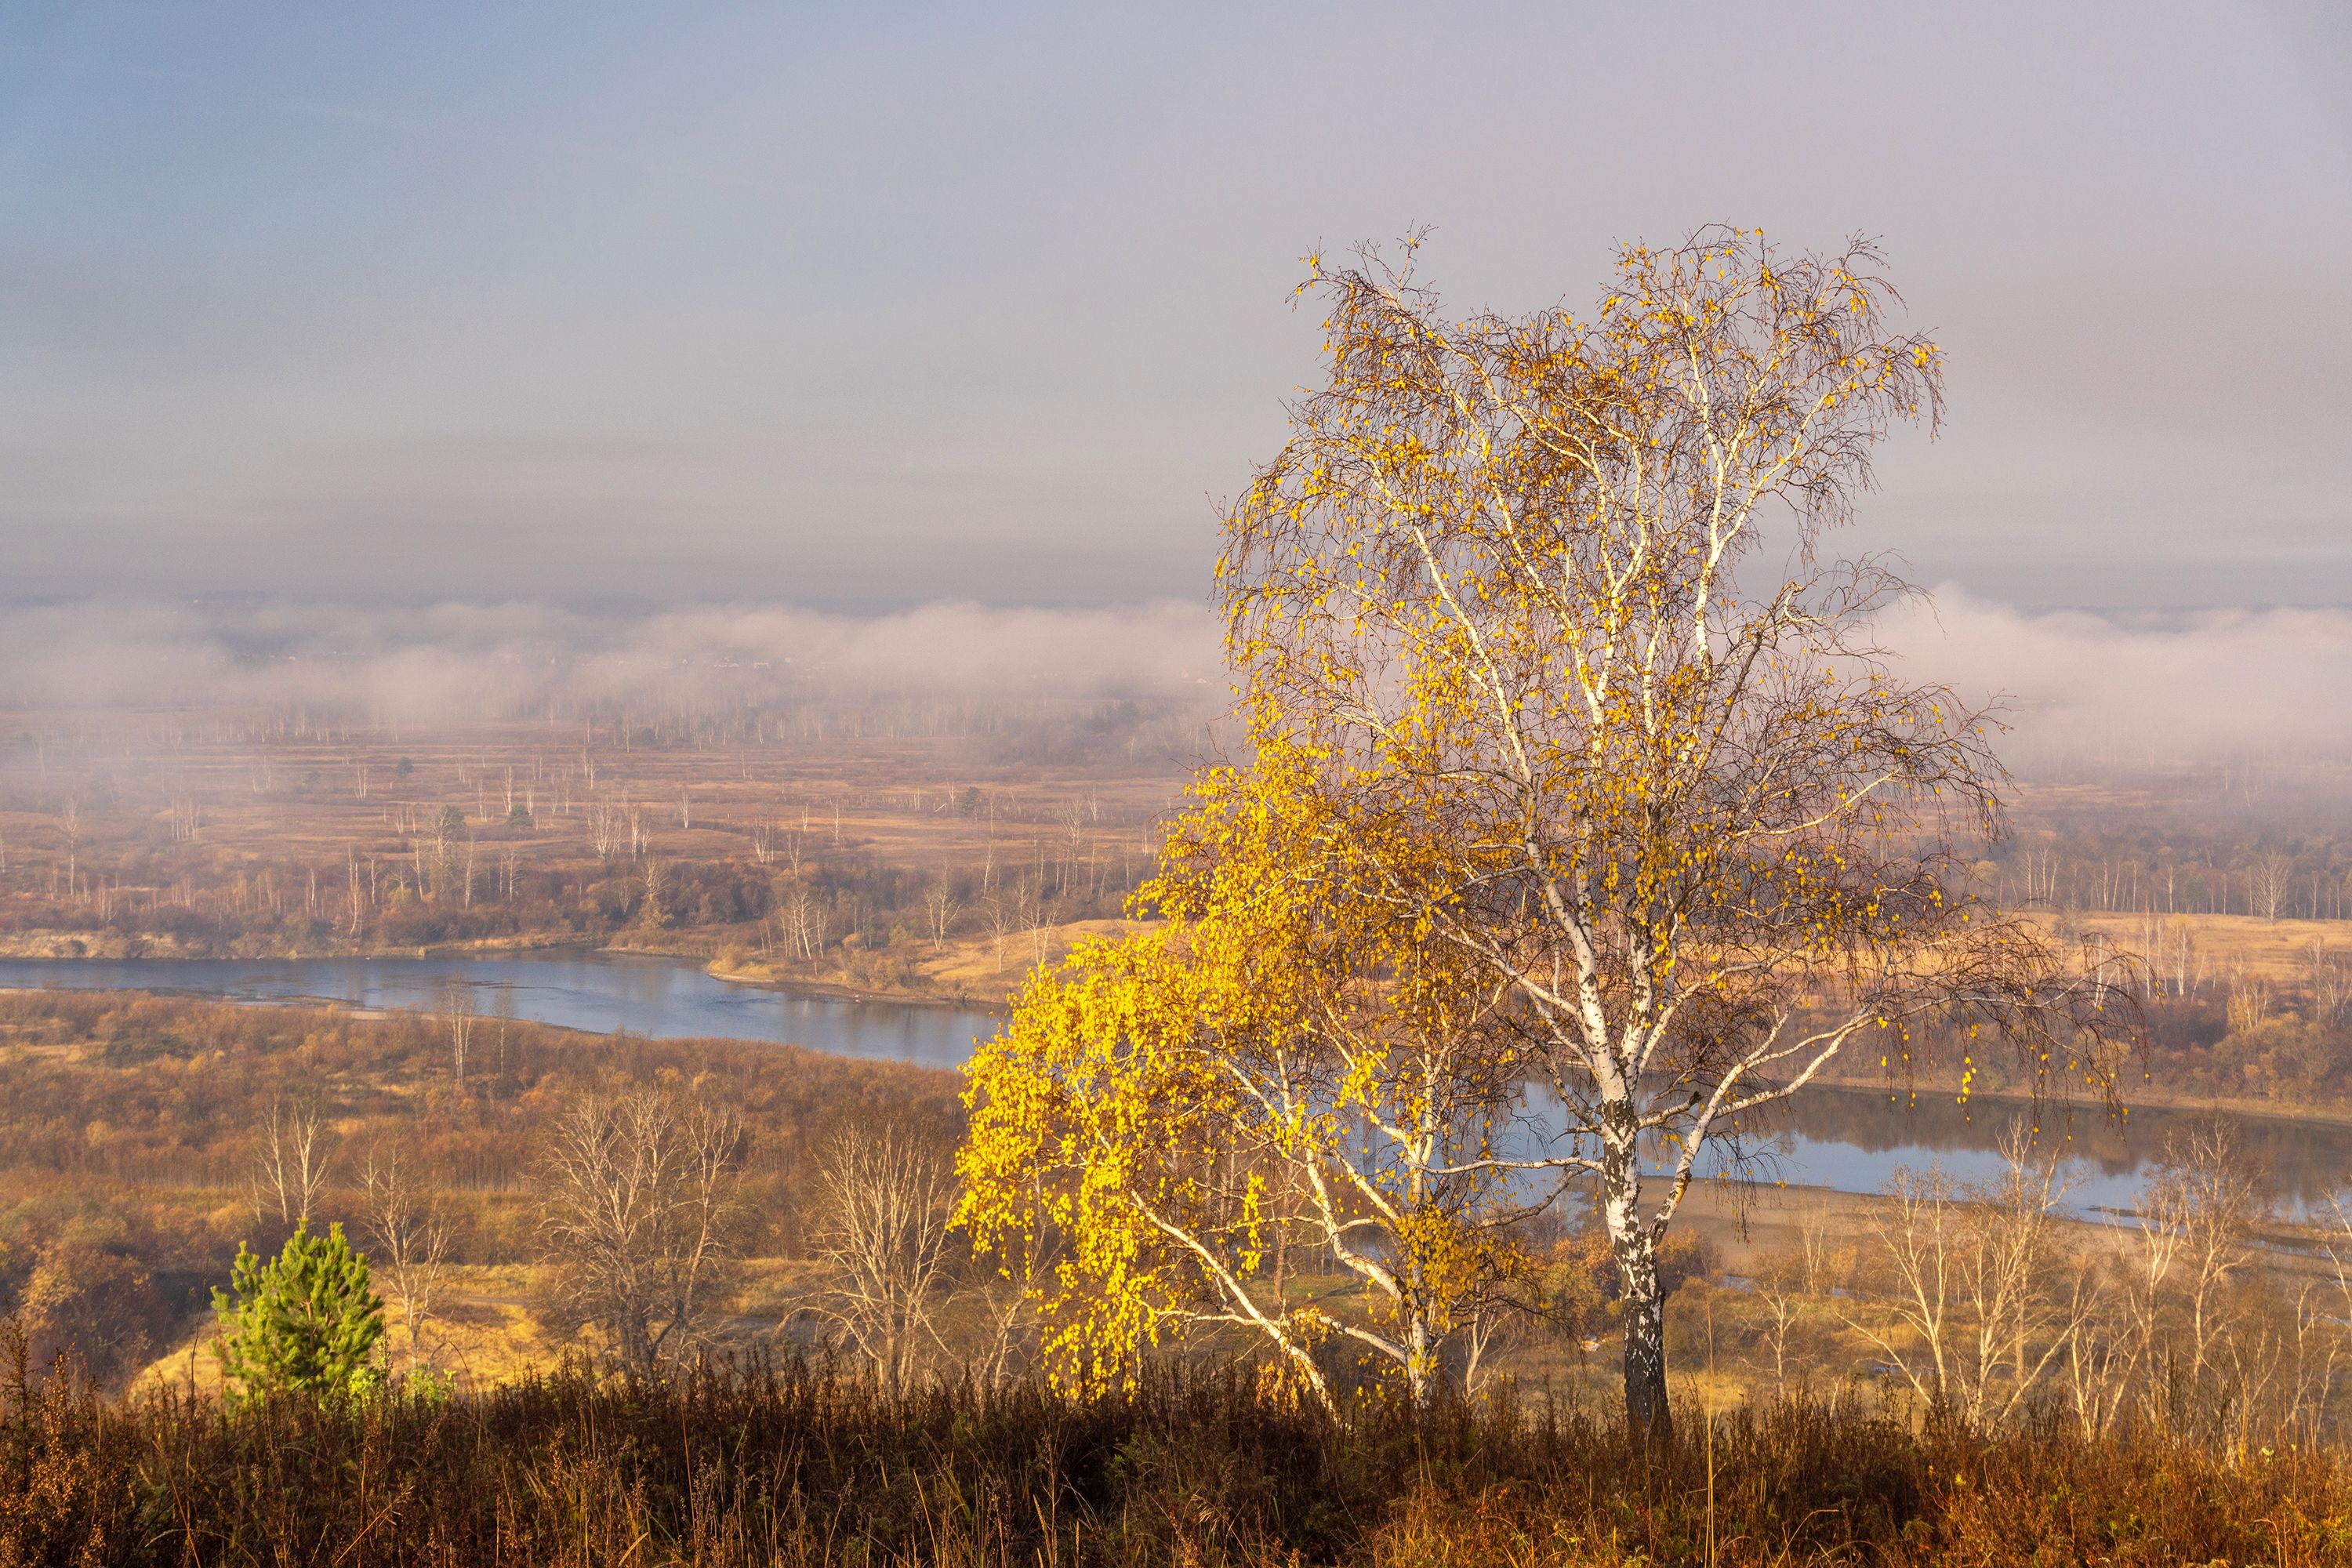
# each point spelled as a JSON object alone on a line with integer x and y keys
{"x": 763, "y": 1464}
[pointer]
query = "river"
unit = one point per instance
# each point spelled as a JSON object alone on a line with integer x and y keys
{"x": 1847, "y": 1140}
{"x": 600, "y": 991}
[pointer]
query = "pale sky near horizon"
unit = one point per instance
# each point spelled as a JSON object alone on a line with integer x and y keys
{"x": 866, "y": 306}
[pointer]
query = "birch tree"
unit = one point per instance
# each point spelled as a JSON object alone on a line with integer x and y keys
{"x": 409, "y": 1234}
{"x": 1977, "y": 1316}
{"x": 1552, "y": 600}
{"x": 882, "y": 1230}
{"x": 459, "y": 1010}
{"x": 1274, "y": 1065}
{"x": 1535, "y": 620}
{"x": 290, "y": 1162}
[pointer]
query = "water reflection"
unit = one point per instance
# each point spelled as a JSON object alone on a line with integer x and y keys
{"x": 1854, "y": 1139}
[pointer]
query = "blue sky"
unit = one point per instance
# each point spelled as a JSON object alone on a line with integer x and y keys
{"x": 866, "y": 306}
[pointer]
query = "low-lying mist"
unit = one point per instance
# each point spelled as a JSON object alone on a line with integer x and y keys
{"x": 459, "y": 662}
{"x": 2145, "y": 689}
{"x": 2080, "y": 688}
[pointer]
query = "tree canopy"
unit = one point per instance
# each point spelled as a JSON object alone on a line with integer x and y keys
{"x": 1571, "y": 764}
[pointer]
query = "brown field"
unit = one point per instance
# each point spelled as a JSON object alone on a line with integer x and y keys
{"x": 924, "y": 864}
{"x": 2246, "y": 946}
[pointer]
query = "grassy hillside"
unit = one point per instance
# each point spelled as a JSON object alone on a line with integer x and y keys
{"x": 131, "y": 1154}
{"x": 761, "y": 1467}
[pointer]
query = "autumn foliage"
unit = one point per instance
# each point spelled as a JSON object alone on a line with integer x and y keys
{"x": 1570, "y": 763}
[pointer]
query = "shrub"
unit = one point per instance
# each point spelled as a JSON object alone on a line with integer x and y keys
{"x": 304, "y": 1322}
{"x": 95, "y": 1304}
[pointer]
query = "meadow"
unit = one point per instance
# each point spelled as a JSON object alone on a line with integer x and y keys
{"x": 143, "y": 1143}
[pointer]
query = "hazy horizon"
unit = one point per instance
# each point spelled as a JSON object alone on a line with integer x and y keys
{"x": 863, "y": 310}
{"x": 2160, "y": 687}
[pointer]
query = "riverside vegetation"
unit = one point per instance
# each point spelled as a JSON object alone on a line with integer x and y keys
{"x": 2187, "y": 1409}
{"x": 793, "y": 838}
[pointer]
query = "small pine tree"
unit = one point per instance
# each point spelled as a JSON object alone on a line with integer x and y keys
{"x": 305, "y": 1322}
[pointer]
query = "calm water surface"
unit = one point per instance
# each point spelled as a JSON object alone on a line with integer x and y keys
{"x": 602, "y": 992}
{"x": 1852, "y": 1140}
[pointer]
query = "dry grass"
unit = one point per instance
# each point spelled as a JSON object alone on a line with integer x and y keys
{"x": 965, "y": 969}
{"x": 2276, "y": 950}
{"x": 763, "y": 1466}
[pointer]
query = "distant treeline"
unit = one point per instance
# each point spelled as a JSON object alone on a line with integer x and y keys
{"x": 2111, "y": 863}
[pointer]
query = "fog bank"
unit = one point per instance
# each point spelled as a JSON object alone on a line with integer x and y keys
{"x": 2141, "y": 686}
{"x": 457, "y": 662}
{"x": 2078, "y": 686}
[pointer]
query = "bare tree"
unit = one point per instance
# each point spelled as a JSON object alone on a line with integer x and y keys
{"x": 2160, "y": 1333}
{"x": 2174, "y": 956}
{"x": 2021, "y": 1322}
{"x": 2330, "y": 983}
{"x": 1038, "y": 920}
{"x": 941, "y": 904}
{"x": 2267, "y": 881}
{"x": 1003, "y": 916}
{"x": 1779, "y": 1282}
{"x": 1916, "y": 1230}
{"x": 1487, "y": 1324}
{"x": 883, "y": 1230}
{"x": 802, "y": 919}
{"x": 603, "y": 830}
{"x": 291, "y": 1169}
{"x": 655, "y": 910}
{"x": 458, "y": 1013}
{"x": 408, "y": 1235}
{"x": 2100, "y": 1353}
{"x": 638, "y": 1194}
{"x": 1977, "y": 1320}
{"x": 1073, "y": 818}
{"x": 1824, "y": 1255}
{"x": 2209, "y": 1198}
